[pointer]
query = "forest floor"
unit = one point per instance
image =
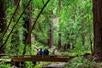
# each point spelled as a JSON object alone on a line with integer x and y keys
{"x": 55, "y": 65}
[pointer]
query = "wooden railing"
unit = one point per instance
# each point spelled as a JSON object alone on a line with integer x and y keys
{"x": 40, "y": 58}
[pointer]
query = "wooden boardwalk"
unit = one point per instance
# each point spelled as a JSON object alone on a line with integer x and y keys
{"x": 40, "y": 58}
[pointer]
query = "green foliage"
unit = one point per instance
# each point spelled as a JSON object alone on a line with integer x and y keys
{"x": 4, "y": 66}
{"x": 80, "y": 62}
{"x": 72, "y": 19}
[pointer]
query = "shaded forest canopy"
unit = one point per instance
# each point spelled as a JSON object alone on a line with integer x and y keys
{"x": 64, "y": 27}
{"x": 55, "y": 23}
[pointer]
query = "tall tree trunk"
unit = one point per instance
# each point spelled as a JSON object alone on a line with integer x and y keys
{"x": 59, "y": 41}
{"x": 27, "y": 27}
{"x": 59, "y": 10}
{"x": 83, "y": 39}
{"x": 16, "y": 2}
{"x": 50, "y": 35}
{"x": 2, "y": 21}
{"x": 97, "y": 13}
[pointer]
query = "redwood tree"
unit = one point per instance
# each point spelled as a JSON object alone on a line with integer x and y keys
{"x": 50, "y": 35}
{"x": 27, "y": 26}
{"x": 2, "y": 22}
{"x": 59, "y": 41}
{"x": 97, "y": 14}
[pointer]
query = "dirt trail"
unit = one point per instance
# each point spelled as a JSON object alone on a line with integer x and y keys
{"x": 56, "y": 65}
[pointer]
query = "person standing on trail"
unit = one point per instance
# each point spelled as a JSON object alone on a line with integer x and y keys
{"x": 40, "y": 52}
{"x": 46, "y": 52}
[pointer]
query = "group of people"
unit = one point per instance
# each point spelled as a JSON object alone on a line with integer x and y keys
{"x": 43, "y": 52}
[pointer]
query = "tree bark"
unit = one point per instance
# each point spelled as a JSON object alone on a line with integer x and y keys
{"x": 50, "y": 35}
{"x": 2, "y": 21}
{"x": 59, "y": 34}
{"x": 59, "y": 41}
{"x": 97, "y": 14}
{"x": 27, "y": 25}
{"x": 16, "y": 2}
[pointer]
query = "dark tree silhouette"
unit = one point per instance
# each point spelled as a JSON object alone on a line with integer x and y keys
{"x": 2, "y": 21}
{"x": 97, "y": 14}
{"x": 27, "y": 25}
{"x": 59, "y": 41}
{"x": 16, "y": 2}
